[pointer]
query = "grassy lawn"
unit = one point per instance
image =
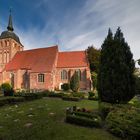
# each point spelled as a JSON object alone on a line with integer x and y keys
{"x": 44, "y": 120}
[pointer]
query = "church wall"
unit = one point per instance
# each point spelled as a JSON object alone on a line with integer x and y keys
{"x": 47, "y": 84}
{"x": 85, "y": 82}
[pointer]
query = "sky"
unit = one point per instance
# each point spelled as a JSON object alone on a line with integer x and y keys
{"x": 72, "y": 24}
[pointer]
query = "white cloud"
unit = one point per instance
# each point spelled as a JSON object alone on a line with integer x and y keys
{"x": 88, "y": 25}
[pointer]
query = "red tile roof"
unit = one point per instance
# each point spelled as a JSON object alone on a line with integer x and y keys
{"x": 38, "y": 60}
{"x": 72, "y": 59}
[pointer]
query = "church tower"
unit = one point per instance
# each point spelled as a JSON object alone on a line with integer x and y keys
{"x": 9, "y": 44}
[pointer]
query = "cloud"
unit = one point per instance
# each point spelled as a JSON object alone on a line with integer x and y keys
{"x": 77, "y": 28}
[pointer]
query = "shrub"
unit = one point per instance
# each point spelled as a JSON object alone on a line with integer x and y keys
{"x": 53, "y": 94}
{"x": 10, "y": 100}
{"x": 94, "y": 80}
{"x": 70, "y": 98}
{"x": 74, "y": 82}
{"x": 84, "y": 120}
{"x": 78, "y": 94}
{"x": 105, "y": 108}
{"x": 32, "y": 96}
{"x": 135, "y": 101}
{"x": 124, "y": 122}
{"x": 65, "y": 86}
{"x": 91, "y": 94}
{"x": 7, "y": 89}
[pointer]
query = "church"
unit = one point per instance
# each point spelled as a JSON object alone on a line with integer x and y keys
{"x": 42, "y": 68}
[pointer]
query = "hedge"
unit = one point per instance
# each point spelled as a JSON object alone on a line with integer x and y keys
{"x": 11, "y": 100}
{"x": 68, "y": 98}
{"x": 83, "y": 121}
{"x": 124, "y": 122}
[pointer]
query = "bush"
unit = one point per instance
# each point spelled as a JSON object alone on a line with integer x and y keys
{"x": 124, "y": 122}
{"x": 78, "y": 94}
{"x": 70, "y": 98}
{"x": 135, "y": 101}
{"x": 84, "y": 119}
{"x": 74, "y": 82}
{"x": 105, "y": 108}
{"x": 32, "y": 96}
{"x": 7, "y": 89}
{"x": 91, "y": 94}
{"x": 10, "y": 100}
{"x": 53, "y": 94}
{"x": 65, "y": 86}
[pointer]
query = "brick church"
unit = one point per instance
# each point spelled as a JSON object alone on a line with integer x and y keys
{"x": 42, "y": 68}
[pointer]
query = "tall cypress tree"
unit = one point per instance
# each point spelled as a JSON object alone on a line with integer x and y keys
{"x": 116, "y": 82}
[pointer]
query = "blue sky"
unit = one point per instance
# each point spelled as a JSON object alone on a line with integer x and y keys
{"x": 72, "y": 24}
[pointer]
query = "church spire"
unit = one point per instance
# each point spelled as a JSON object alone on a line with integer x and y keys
{"x": 10, "y": 25}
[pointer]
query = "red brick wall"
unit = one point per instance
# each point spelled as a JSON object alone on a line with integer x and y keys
{"x": 47, "y": 84}
{"x": 85, "y": 84}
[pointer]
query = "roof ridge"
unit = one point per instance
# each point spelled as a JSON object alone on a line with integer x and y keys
{"x": 71, "y": 51}
{"x": 40, "y": 48}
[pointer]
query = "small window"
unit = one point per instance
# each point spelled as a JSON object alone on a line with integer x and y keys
{"x": 41, "y": 77}
{"x": 64, "y": 75}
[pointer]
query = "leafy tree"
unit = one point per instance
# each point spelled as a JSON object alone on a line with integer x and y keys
{"x": 74, "y": 82}
{"x": 116, "y": 82}
{"x": 94, "y": 80}
{"x": 93, "y": 55}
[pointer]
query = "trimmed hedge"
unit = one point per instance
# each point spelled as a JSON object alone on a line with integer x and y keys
{"x": 11, "y": 100}
{"x": 69, "y": 98}
{"x": 78, "y": 94}
{"x": 83, "y": 117}
{"x": 124, "y": 122}
{"x": 83, "y": 120}
{"x": 39, "y": 95}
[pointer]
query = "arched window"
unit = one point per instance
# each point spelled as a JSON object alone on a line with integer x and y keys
{"x": 79, "y": 73}
{"x": 64, "y": 75}
{"x": 41, "y": 77}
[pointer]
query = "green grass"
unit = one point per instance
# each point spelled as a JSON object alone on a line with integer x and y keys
{"x": 45, "y": 124}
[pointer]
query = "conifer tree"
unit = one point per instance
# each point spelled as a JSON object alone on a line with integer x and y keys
{"x": 116, "y": 82}
{"x": 74, "y": 82}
